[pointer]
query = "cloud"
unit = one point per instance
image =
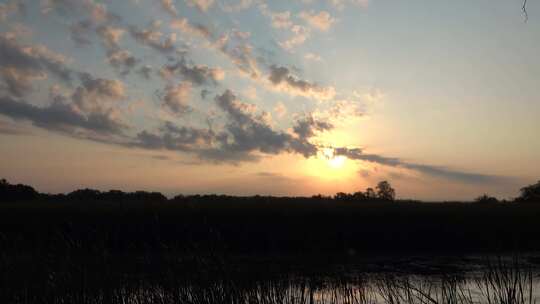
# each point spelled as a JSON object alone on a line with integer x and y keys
{"x": 341, "y": 4}
{"x": 281, "y": 20}
{"x": 321, "y": 21}
{"x": 246, "y": 135}
{"x": 232, "y": 44}
{"x": 467, "y": 177}
{"x": 196, "y": 74}
{"x": 94, "y": 12}
{"x": 80, "y": 32}
{"x": 18, "y": 82}
{"x": 239, "y": 52}
{"x": 154, "y": 38}
{"x": 176, "y": 97}
{"x": 110, "y": 36}
{"x": 250, "y": 132}
{"x": 300, "y": 35}
{"x": 96, "y": 93}
{"x": 308, "y": 126}
{"x": 202, "y": 5}
{"x": 281, "y": 78}
{"x": 174, "y": 138}
{"x": 90, "y": 111}
{"x": 313, "y": 57}
{"x": 60, "y": 116}
{"x": 187, "y": 27}
{"x": 235, "y": 7}
{"x": 19, "y": 65}
{"x": 145, "y": 71}
{"x": 11, "y": 7}
{"x": 122, "y": 61}
{"x": 169, "y": 7}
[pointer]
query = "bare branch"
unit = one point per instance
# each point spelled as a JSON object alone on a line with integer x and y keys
{"x": 524, "y": 8}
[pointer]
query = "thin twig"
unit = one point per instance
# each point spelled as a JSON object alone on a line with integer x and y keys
{"x": 524, "y": 8}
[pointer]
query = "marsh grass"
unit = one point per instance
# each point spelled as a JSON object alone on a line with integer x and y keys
{"x": 501, "y": 281}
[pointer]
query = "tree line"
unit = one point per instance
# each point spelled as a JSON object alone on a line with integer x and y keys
{"x": 383, "y": 192}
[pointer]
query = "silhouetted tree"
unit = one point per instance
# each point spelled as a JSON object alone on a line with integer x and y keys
{"x": 358, "y": 196}
{"x": 342, "y": 196}
{"x": 84, "y": 195}
{"x": 370, "y": 193}
{"x": 385, "y": 191}
{"x": 15, "y": 193}
{"x": 530, "y": 193}
{"x": 486, "y": 199}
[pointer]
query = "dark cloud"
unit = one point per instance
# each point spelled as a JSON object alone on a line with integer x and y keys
{"x": 171, "y": 137}
{"x": 251, "y": 132}
{"x": 89, "y": 112}
{"x": 60, "y": 116}
{"x": 246, "y": 135}
{"x": 32, "y": 60}
{"x": 282, "y": 78}
{"x": 308, "y": 126}
{"x": 110, "y": 36}
{"x": 196, "y": 74}
{"x": 17, "y": 82}
{"x": 11, "y": 7}
{"x": 94, "y": 11}
{"x": 154, "y": 39}
{"x": 176, "y": 98}
{"x": 122, "y": 61}
{"x": 145, "y": 72}
{"x": 358, "y": 154}
{"x": 95, "y": 93}
{"x": 80, "y": 32}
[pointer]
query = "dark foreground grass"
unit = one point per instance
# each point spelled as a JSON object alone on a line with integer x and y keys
{"x": 496, "y": 283}
{"x": 268, "y": 226}
{"x": 256, "y": 250}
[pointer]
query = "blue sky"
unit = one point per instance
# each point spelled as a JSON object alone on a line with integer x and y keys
{"x": 271, "y": 97}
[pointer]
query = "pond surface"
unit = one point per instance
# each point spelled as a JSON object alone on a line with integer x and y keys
{"x": 395, "y": 281}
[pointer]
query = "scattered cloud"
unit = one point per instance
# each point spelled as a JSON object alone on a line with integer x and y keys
{"x": 153, "y": 38}
{"x": 61, "y": 116}
{"x": 239, "y": 5}
{"x": 281, "y": 78}
{"x": 321, "y": 21}
{"x": 281, "y": 20}
{"x": 196, "y": 74}
{"x": 11, "y": 7}
{"x": 21, "y": 64}
{"x": 176, "y": 97}
{"x": 202, "y": 5}
{"x": 300, "y": 35}
{"x": 195, "y": 29}
{"x": 169, "y": 7}
{"x": 313, "y": 57}
{"x": 341, "y": 4}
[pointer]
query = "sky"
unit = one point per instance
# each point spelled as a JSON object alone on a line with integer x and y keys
{"x": 285, "y": 98}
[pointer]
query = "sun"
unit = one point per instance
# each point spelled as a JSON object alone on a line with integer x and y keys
{"x": 333, "y": 161}
{"x": 337, "y": 162}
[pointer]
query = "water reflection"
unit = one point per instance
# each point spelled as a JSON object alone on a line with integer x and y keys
{"x": 498, "y": 282}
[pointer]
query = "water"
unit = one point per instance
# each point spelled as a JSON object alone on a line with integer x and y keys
{"x": 495, "y": 282}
